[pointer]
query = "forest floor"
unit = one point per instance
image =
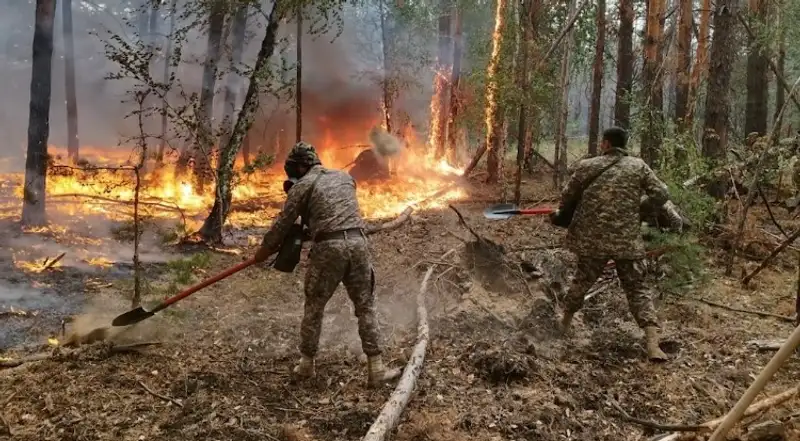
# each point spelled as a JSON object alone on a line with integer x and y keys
{"x": 495, "y": 368}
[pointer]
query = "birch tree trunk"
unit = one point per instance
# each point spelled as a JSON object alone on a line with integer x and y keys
{"x": 211, "y": 231}
{"x": 33, "y": 203}
{"x": 597, "y": 77}
{"x": 73, "y": 142}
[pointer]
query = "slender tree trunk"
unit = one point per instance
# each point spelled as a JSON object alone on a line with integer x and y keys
{"x": 299, "y": 77}
{"x": 388, "y": 87}
{"x": 523, "y": 81}
{"x": 597, "y": 77}
{"x": 33, "y": 204}
{"x": 780, "y": 92}
{"x": 455, "y": 81}
{"x": 494, "y": 161}
{"x": 205, "y": 136}
{"x": 234, "y": 82}
{"x": 700, "y": 61}
{"x": 723, "y": 54}
{"x": 757, "y": 75}
{"x": 652, "y": 83}
{"x": 162, "y": 147}
{"x": 73, "y": 142}
{"x": 622, "y": 106}
{"x": 443, "y": 69}
{"x": 211, "y": 231}
{"x": 560, "y": 158}
{"x": 684, "y": 62}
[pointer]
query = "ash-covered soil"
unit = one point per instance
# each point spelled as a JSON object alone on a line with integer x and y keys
{"x": 496, "y": 368}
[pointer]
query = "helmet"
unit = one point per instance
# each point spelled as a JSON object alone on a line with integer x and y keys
{"x": 303, "y": 154}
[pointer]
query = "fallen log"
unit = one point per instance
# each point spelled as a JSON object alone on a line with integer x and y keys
{"x": 754, "y": 409}
{"x": 390, "y": 414}
{"x": 392, "y": 224}
{"x": 789, "y": 240}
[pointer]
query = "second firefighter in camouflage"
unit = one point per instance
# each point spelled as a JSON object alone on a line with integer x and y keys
{"x": 606, "y": 226}
{"x": 326, "y": 199}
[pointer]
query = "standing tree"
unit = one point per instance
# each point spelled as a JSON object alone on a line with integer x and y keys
{"x": 167, "y": 63}
{"x": 205, "y": 138}
{"x": 684, "y": 61}
{"x": 652, "y": 83}
{"x": 700, "y": 61}
{"x": 780, "y": 92}
{"x": 33, "y": 205}
{"x": 69, "y": 78}
{"x": 455, "y": 83}
{"x": 560, "y": 159}
{"x": 597, "y": 77}
{"x": 723, "y": 55}
{"x": 211, "y": 231}
{"x": 622, "y": 105}
{"x": 233, "y": 84}
{"x": 298, "y": 93}
{"x": 757, "y": 75}
{"x": 494, "y": 138}
{"x": 443, "y": 68}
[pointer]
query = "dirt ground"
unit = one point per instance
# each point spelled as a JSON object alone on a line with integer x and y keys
{"x": 495, "y": 369}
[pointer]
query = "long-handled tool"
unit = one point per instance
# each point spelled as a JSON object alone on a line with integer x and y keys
{"x": 505, "y": 211}
{"x": 136, "y": 315}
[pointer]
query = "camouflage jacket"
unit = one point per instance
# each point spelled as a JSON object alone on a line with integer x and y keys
{"x": 328, "y": 204}
{"x": 606, "y": 223}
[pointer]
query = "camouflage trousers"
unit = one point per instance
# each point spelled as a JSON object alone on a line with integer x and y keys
{"x": 632, "y": 278}
{"x": 340, "y": 261}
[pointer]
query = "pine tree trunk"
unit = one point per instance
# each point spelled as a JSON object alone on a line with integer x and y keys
{"x": 387, "y": 86}
{"x": 73, "y": 142}
{"x": 684, "y": 62}
{"x": 527, "y": 22}
{"x": 443, "y": 69}
{"x": 234, "y": 82}
{"x": 494, "y": 161}
{"x": 723, "y": 55}
{"x": 560, "y": 158}
{"x": 622, "y": 105}
{"x": 33, "y": 204}
{"x": 652, "y": 83}
{"x": 299, "y": 77}
{"x": 597, "y": 77}
{"x": 162, "y": 147}
{"x": 211, "y": 231}
{"x": 700, "y": 61}
{"x": 205, "y": 133}
{"x": 455, "y": 81}
{"x": 757, "y": 75}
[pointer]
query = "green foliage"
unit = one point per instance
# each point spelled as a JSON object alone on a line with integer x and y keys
{"x": 683, "y": 262}
{"x": 183, "y": 269}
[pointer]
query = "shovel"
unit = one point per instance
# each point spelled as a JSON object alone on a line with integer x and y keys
{"x": 136, "y": 315}
{"x": 505, "y": 211}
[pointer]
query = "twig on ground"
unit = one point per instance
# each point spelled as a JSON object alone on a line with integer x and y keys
{"x": 158, "y": 395}
{"x": 390, "y": 414}
{"x": 48, "y": 265}
{"x": 742, "y": 310}
{"x": 654, "y": 425}
{"x": 789, "y": 240}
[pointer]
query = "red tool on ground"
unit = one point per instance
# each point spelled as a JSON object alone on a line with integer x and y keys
{"x": 136, "y": 315}
{"x": 505, "y": 211}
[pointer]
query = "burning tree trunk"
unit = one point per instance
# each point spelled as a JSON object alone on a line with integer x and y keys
{"x": 455, "y": 81}
{"x": 560, "y": 159}
{"x": 234, "y": 80}
{"x": 757, "y": 78}
{"x": 211, "y": 230}
{"x": 622, "y": 106}
{"x": 438, "y": 136}
{"x": 597, "y": 77}
{"x": 205, "y": 135}
{"x": 494, "y": 162}
{"x": 299, "y": 77}
{"x": 167, "y": 63}
{"x": 69, "y": 86}
{"x": 700, "y": 61}
{"x": 684, "y": 62}
{"x": 723, "y": 53}
{"x": 33, "y": 206}
{"x": 653, "y": 86}
{"x": 388, "y": 87}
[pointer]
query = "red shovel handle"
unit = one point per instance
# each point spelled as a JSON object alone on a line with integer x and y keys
{"x": 545, "y": 210}
{"x": 210, "y": 281}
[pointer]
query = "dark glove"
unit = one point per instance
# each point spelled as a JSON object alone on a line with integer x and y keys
{"x": 553, "y": 216}
{"x": 262, "y": 255}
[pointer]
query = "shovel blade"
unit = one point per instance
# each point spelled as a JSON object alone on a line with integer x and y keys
{"x": 132, "y": 317}
{"x": 499, "y": 211}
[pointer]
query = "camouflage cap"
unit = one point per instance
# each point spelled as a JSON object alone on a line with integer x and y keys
{"x": 304, "y": 153}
